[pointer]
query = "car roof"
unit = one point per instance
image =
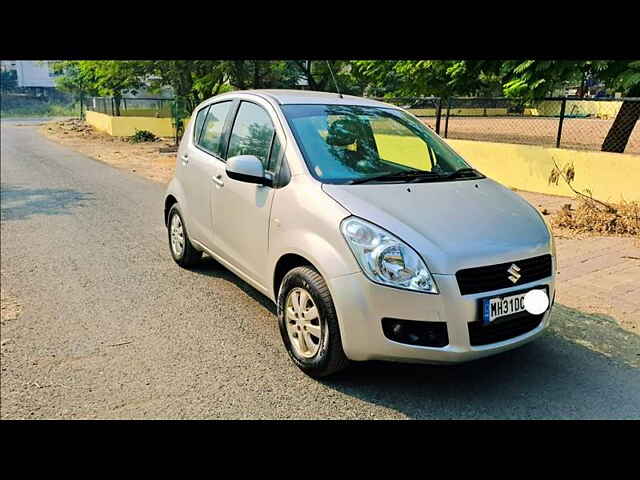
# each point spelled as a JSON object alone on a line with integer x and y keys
{"x": 301, "y": 97}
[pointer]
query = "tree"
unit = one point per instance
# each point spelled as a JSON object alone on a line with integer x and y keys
{"x": 441, "y": 78}
{"x": 101, "y": 77}
{"x": 317, "y": 74}
{"x": 115, "y": 78}
{"x": 191, "y": 80}
{"x": 73, "y": 79}
{"x": 536, "y": 79}
{"x": 251, "y": 74}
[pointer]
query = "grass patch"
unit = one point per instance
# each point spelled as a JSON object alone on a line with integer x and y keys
{"x": 42, "y": 110}
{"x": 142, "y": 136}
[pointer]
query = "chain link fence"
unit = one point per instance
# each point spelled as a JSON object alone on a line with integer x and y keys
{"x": 131, "y": 107}
{"x": 174, "y": 108}
{"x": 583, "y": 124}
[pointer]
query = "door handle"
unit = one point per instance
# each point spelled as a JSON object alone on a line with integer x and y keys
{"x": 185, "y": 159}
{"x": 218, "y": 180}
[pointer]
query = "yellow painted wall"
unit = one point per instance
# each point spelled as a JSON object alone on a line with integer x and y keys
{"x": 597, "y": 109}
{"x": 609, "y": 176}
{"x": 99, "y": 121}
{"x": 601, "y": 109}
{"x": 127, "y": 126}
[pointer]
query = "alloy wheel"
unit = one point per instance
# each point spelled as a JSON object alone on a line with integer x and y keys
{"x": 303, "y": 323}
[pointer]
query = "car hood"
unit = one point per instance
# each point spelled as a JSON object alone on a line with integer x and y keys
{"x": 453, "y": 225}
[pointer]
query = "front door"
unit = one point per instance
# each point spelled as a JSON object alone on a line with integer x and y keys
{"x": 241, "y": 210}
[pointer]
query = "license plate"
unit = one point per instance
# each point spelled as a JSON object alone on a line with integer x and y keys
{"x": 502, "y": 306}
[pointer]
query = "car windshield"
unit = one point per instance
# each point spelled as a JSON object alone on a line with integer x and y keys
{"x": 356, "y": 144}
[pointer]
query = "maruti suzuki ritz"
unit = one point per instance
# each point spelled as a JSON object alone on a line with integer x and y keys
{"x": 372, "y": 236}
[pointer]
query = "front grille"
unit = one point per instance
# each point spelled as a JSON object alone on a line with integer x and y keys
{"x": 495, "y": 277}
{"x": 426, "y": 334}
{"x": 503, "y": 328}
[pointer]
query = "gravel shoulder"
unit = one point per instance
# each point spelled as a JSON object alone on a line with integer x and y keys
{"x": 143, "y": 159}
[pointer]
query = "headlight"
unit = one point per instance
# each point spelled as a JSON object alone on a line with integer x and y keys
{"x": 386, "y": 259}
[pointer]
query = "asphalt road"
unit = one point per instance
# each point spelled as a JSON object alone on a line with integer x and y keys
{"x": 112, "y": 328}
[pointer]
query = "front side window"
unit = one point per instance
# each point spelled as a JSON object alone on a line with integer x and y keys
{"x": 276, "y": 155}
{"x": 252, "y": 133}
{"x": 211, "y": 136}
{"x": 354, "y": 144}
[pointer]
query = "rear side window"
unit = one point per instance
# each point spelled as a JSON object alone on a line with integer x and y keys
{"x": 200, "y": 117}
{"x": 252, "y": 133}
{"x": 211, "y": 136}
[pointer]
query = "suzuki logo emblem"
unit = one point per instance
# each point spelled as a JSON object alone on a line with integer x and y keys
{"x": 513, "y": 270}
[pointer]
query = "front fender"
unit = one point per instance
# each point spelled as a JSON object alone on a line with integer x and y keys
{"x": 306, "y": 221}
{"x": 329, "y": 259}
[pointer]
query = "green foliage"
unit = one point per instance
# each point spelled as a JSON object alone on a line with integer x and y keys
{"x": 442, "y": 78}
{"x": 191, "y": 80}
{"x": 197, "y": 80}
{"x": 622, "y": 76}
{"x": 142, "y": 136}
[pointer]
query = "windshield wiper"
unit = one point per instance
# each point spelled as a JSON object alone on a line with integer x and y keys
{"x": 461, "y": 172}
{"x": 397, "y": 176}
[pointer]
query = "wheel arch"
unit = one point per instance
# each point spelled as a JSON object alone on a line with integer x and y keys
{"x": 169, "y": 201}
{"x": 285, "y": 263}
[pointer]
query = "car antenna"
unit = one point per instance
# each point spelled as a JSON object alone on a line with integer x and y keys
{"x": 334, "y": 79}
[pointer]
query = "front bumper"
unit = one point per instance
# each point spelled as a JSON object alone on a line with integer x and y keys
{"x": 361, "y": 305}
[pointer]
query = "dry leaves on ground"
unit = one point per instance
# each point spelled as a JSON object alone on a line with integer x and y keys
{"x": 590, "y": 217}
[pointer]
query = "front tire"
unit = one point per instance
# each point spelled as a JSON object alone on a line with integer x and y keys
{"x": 309, "y": 324}
{"x": 180, "y": 246}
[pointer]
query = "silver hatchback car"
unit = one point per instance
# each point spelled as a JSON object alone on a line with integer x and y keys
{"x": 373, "y": 237}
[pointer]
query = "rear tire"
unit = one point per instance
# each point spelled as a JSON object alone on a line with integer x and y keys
{"x": 180, "y": 246}
{"x": 309, "y": 324}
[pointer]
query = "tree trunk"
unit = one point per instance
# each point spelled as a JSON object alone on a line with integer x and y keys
{"x": 620, "y": 131}
{"x": 306, "y": 70}
{"x": 116, "y": 102}
{"x": 256, "y": 74}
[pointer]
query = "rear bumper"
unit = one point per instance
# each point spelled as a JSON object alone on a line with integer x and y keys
{"x": 361, "y": 305}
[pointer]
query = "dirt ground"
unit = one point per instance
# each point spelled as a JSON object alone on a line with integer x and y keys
{"x": 577, "y": 133}
{"x": 600, "y": 261}
{"x": 142, "y": 158}
{"x": 597, "y": 274}
{"x": 10, "y": 309}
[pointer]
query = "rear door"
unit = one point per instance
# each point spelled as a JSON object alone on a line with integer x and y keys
{"x": 207, "y": 143}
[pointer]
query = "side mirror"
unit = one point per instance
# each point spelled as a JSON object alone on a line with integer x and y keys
{"x": 247, "y": 168}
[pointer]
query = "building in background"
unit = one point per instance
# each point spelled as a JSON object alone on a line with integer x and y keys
{"x": 7, "y": 65}
{"x": 34, "y": 77}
